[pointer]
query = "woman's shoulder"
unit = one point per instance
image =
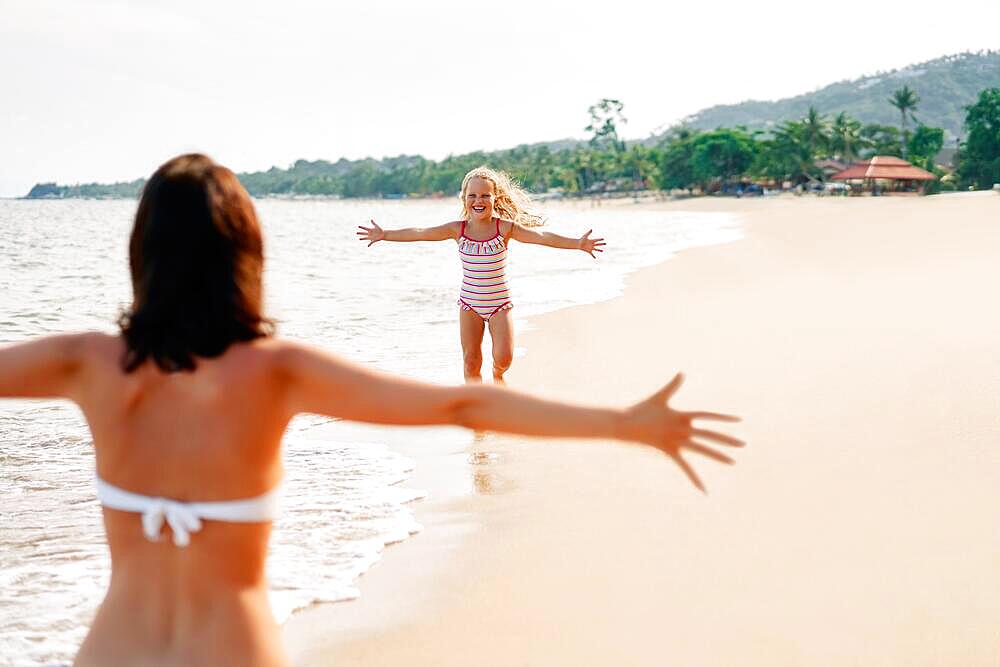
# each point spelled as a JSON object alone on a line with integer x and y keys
{"x": 95, "y": 345}
{"x": 89, "y": 354}
{"x": 266, "y": 351}
{"x": 278, "y": 352}
{"x": 290, "y": 359}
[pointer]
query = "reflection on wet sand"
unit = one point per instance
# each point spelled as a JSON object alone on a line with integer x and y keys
{"x": 485, "y": 477}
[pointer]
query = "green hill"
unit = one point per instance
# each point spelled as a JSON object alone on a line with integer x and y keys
{"x": 945, "y": 86}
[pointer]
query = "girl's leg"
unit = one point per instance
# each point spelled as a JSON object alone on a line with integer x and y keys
{"x": 471, "y": 328}
{"x": 502, "y": 334}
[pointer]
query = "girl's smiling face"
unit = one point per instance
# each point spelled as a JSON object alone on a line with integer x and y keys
{"x": 479, "y": 200}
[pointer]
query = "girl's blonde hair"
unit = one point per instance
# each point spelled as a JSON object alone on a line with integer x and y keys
{"x": 510, "y": 200}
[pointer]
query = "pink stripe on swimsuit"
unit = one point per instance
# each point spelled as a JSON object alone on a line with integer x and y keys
{"x": 484, "y": 274}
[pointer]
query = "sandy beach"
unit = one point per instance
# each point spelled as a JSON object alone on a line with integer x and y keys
{"x": 858, "y": 338}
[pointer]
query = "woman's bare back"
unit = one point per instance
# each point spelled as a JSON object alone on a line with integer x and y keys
{"x": 209, "y": 435}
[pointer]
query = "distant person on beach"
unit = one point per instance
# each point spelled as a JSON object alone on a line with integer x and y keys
{"x": 187, "y": 406}
{"x": 494, "y": 211}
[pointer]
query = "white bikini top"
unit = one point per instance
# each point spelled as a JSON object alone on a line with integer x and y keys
{"x": 185, "y": 518}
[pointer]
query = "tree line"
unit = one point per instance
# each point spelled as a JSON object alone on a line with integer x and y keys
{"x": 790, "y": 152}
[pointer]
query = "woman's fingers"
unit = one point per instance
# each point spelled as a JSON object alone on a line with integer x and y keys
{"x": 720, "y": 438}
{"x": 688, "y": 470}
{"x": 707, "y": 451}
{"x": 669, "y": 389}
{"x": 717, "y": 416}
{"x": 704, "y": 451}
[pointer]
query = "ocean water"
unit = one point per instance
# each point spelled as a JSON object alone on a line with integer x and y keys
{"x": 63, "y": 267}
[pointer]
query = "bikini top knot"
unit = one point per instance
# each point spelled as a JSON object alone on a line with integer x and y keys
{"x": 181, "y": 518}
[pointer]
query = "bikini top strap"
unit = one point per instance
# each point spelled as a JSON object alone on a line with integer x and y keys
{"x": 498, "y": 226}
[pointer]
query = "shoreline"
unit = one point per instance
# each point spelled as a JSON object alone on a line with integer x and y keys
{"x": 642, "y": 197}
{"x": 845, "y": 331}
{"x": 447, "y": 478}
{"x": 646, "y": 195}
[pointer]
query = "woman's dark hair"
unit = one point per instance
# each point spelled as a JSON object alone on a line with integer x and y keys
{"x": 196, "y": 256}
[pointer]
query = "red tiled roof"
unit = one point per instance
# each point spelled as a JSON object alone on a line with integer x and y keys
{"x": 884, "y": 166}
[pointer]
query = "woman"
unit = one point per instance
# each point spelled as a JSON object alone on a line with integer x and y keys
{"x": 187, "y": 407}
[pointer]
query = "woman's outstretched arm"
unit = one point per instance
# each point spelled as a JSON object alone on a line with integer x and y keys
{"x": 584, "y": 243}
{"x": 323, "y": 384}
{"x": 374, "y": 234}
{"x": 42, "y": 368}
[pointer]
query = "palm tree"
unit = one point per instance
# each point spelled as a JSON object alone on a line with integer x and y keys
{"x": 845, "y": 137}
{"x": 906, "y": 100}
{"x": 794, "y": 147}
{"x": 790, "y": 153}
{"x": 814, "y": 131}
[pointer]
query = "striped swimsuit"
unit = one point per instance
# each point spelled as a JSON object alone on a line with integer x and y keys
{"x": 484, "y": 275}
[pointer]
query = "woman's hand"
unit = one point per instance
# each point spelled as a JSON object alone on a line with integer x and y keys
{"x": 589, "y": 245}
{"x": 655, "y": 423}
{"x": 371, "y": 234}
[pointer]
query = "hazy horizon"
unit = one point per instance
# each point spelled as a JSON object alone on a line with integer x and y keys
{"x": 106, "y": 92}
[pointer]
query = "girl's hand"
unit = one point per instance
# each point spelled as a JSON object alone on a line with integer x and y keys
{"x": 655, "y": 423}
{"x": 589, "y": 245}
{"x": 371, "y": 234}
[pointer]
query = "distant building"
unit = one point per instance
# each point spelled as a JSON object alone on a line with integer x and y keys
{"x": 884, "y": 174}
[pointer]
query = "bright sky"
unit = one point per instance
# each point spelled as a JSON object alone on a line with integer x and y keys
{"x": 106, "y": 90}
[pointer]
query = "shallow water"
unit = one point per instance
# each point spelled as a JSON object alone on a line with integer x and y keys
{"x": 63, "y": 267}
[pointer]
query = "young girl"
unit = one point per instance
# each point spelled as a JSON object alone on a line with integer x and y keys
{"x": 494, "y": 211}
{"x": 187, "y": 407}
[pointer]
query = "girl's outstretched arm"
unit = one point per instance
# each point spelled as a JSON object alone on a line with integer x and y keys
{"x": 42, "y": 368}
{"x": 374, "y": 234}
{"x": 320, "y": 383}
{"x": 584, "y": 243}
